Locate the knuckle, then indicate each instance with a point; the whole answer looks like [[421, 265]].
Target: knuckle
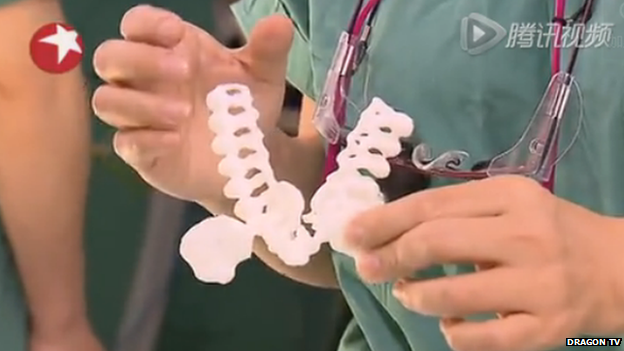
[[425, 205], [525, 234], [402, 259], [394, 260], [536, 236], [427, 241], [523, 189], [530, 239]]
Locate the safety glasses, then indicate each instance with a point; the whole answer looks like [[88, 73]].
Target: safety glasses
[[534, 154]]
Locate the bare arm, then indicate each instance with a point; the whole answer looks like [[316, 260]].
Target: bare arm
[[289, 154], [44, 164]]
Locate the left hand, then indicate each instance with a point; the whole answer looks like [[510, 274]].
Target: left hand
[[78, 337], [548, 268]]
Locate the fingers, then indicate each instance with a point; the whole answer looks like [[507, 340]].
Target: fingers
[[152, 25], [516, 332], [385, 223], [446, 241], [138, 64], [268, 47], [141, 149], [498, 290], [128, 109]]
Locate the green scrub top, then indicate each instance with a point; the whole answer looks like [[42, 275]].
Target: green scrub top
[[479, 103]]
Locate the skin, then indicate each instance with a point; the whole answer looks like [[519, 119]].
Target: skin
[[44, 148], [548, 268], [161, 127]]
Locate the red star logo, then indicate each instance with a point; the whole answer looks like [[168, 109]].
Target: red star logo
[[56, 48]]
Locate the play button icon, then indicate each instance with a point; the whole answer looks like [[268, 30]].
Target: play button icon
[[479, 34]]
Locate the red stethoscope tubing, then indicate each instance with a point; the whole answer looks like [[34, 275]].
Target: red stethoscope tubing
[[331, 163], [556, 68], [345, 81]]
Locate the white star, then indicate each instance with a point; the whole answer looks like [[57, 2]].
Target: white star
[[65, 41]]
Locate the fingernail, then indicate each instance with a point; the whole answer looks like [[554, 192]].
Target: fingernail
[[398, 289], [399, 284], [398, 293], [450, 321]]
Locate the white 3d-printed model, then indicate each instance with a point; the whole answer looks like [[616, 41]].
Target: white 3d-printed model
[[273, 209], [352, 188]]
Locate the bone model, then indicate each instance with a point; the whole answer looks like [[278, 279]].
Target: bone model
[[273, 209]]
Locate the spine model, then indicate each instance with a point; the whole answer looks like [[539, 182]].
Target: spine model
[[273, 209], [352, 188], [265, 206]]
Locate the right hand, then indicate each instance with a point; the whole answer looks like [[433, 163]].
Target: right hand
[[157, 78]]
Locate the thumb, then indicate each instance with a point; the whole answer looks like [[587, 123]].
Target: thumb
[[268, 47]]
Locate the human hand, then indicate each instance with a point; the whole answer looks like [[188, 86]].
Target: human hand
[[157, 79], [548, 267], [78, 337]]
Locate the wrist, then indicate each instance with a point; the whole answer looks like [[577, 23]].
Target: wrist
[[56, 325], [609, 305]]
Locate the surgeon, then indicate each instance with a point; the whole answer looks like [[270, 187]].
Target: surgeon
[[546, 250]]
